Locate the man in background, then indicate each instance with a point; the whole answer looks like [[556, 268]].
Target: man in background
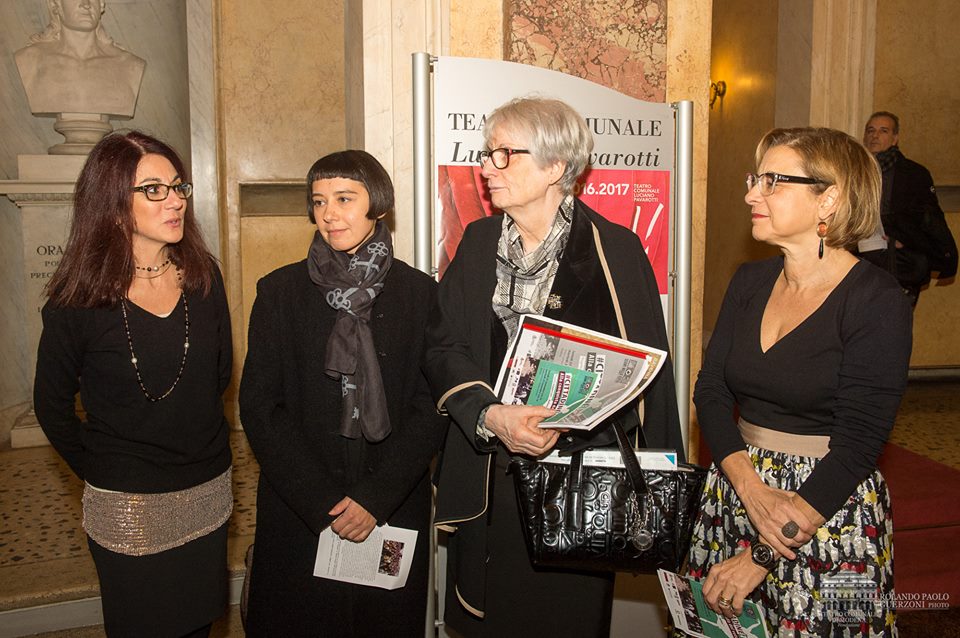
[[914, 242]]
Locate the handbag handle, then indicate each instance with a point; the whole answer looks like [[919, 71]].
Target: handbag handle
[[630, 460], [620, 324]]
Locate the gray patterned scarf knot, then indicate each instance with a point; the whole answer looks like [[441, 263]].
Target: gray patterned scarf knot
[[886, 159], [350, 284], [524, 279]]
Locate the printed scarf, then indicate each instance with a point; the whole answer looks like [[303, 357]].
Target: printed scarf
[[350, 284]]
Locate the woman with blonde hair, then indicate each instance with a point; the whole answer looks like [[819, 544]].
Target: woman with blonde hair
[[811, 351]]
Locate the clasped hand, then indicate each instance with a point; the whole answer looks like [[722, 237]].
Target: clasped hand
[[516, 427], [353, 523], [770, 509]]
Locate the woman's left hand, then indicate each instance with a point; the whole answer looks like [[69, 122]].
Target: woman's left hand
[[353, 523], [732, 580]]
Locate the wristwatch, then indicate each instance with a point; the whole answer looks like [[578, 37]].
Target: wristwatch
[[762, 555]]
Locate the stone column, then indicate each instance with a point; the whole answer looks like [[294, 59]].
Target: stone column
[[44, 195]]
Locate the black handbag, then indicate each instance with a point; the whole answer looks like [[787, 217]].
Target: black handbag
[[608, 518]]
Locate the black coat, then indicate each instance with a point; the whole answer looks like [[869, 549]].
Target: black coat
[[916, 219], [460, 368], [291, 413]]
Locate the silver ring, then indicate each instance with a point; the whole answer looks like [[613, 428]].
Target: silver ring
[[790, 529]]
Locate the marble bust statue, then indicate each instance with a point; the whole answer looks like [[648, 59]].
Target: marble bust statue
[[74, 67]]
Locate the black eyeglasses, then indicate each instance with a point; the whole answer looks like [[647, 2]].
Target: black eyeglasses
[[500, 156], [768, 181], [159, 192]]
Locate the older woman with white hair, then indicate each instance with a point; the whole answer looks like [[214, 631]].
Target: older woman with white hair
[[546, 254]]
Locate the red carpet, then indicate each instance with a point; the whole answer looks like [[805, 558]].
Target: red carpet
[[926, 526]]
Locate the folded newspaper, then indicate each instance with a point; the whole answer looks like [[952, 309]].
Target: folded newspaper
[[692, 616], [584, 375]]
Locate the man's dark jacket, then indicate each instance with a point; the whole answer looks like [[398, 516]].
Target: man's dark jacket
[[916, 219]]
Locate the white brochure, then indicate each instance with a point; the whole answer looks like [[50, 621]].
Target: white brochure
[[383, 560]]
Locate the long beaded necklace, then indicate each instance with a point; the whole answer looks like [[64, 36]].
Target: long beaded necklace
[[133, 355]]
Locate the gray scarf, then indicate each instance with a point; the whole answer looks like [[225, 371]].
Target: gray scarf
[[350, 284], [524, 280], [886, 159]]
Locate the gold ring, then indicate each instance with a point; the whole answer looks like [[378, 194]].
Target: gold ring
[[724, 602]]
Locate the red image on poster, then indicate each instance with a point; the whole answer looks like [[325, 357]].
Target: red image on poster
[[636, 199]]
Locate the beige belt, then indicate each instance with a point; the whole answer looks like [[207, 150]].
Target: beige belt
[[776, 441]]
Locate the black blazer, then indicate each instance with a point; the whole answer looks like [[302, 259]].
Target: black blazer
[[917, 220], [460, 371]]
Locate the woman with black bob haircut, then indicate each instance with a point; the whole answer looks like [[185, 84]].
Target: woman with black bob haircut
[[338, 413], [137, 311]]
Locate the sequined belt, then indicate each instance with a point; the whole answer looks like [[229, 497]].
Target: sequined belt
[[141, 524], [816, 446]]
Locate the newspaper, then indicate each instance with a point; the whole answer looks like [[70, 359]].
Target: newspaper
[[382, 560], [692, 616], [584, 375]]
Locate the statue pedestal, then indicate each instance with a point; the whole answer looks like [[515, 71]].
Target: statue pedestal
[[44, 195], [82, 132]]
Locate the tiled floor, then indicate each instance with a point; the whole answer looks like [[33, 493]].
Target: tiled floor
[[43, 554], [43, 549], [929, 421]]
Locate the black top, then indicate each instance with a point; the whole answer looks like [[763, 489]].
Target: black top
[[128, 443], [840, 373]]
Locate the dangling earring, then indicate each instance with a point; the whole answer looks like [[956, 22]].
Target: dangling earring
[[821, 233]]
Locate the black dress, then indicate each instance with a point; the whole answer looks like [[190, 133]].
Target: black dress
[[129, 444], [290, 411]]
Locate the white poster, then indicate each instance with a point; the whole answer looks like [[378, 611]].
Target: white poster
[[629, 177]]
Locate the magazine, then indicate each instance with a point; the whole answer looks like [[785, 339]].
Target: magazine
[[584, 375], [692, 616]]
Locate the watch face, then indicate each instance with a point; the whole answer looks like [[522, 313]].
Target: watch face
[[762, 554]]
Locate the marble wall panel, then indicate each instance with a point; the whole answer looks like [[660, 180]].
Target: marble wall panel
[[282, 79], [616, 44], [392, 32], [915, 77], [270, 242], [203, 125], [475, 29], [689, 38], [281, 104], [936, 317], [744, 55], [917, 58], [16, 378]]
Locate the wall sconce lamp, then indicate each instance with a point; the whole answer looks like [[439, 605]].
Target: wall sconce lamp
[[717, 90]]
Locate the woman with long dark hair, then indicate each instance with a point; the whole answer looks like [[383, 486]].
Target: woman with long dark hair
[[137, 322]]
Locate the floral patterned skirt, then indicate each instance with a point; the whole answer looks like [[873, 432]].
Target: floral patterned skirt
[[840, 584]]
